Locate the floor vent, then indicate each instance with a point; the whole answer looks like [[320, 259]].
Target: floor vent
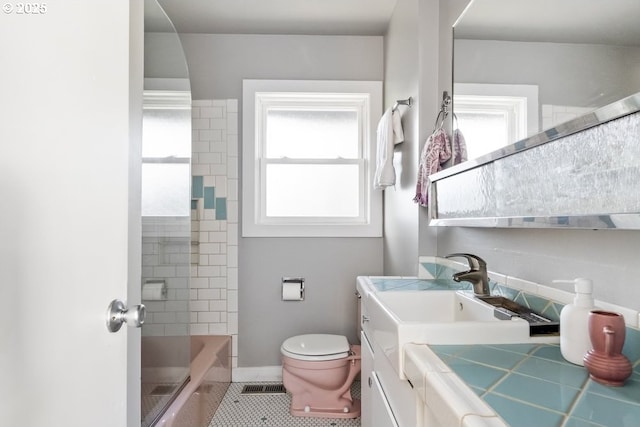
[[263, 389], [163, 390]]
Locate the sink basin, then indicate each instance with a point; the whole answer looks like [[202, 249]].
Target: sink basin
[[439, 317]]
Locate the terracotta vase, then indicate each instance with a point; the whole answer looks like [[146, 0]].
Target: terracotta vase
[[605, 362]]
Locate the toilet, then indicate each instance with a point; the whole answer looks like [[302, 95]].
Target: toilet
[[318, 370]]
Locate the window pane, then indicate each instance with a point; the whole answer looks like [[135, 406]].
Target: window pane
[[166, 132], [488, 130], [311, 134], [165, 189], [312, 190]]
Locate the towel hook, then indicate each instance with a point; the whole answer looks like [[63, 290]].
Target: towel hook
[[444, 110], [408, 102]]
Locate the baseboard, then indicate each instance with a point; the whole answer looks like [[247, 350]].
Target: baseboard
[[256, 374]]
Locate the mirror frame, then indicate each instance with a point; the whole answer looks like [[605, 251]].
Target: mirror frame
[[621, 108]]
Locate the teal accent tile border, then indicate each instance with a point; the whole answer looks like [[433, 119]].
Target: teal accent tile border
[[209, 197], [221, 208], [197, 187]]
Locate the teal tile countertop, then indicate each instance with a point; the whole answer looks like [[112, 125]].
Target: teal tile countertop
[[385, 284], [531, 385]]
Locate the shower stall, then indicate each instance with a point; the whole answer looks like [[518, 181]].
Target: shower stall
[[175, 366]]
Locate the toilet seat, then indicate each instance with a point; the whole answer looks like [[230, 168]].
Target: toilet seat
[[316, 347]]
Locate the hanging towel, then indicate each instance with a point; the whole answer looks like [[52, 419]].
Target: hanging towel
[[436, 151], [459, 147], [389, 134]]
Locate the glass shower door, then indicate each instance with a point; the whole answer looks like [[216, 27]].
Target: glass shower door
[[166, 222]]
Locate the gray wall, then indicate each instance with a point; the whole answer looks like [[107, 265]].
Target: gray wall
[[579, 75], [402, 74], [217, 65]]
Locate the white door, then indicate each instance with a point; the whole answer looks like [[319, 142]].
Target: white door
[[70, 107]]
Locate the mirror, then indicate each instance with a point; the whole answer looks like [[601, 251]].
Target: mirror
[[166, 178], [521, 67]]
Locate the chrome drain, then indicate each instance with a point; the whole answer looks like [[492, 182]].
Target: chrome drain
[[263, 389]]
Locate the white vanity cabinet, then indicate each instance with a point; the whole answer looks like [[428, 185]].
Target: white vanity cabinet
[[387, 401], [376, 411]]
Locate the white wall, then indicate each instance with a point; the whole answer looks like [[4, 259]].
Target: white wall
[[217, 65]]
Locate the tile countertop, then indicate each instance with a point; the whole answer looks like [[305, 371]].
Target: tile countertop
[[524, 384]]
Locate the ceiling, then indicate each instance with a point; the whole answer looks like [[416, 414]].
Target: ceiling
[[312, 17], [612, 22]]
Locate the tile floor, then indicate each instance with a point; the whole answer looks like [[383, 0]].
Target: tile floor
[[245, 410]]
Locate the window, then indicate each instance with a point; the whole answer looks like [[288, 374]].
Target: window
[[493, 116], [166, 154], [307, 158]]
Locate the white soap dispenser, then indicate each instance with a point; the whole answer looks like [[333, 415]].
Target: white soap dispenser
[[574, 328]]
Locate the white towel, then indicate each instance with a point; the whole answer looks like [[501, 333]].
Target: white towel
[[389, 134]]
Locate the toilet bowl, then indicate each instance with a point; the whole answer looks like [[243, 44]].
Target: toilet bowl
[[318, 370]]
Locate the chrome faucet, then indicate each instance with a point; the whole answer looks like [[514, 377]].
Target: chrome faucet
[[476, 275]]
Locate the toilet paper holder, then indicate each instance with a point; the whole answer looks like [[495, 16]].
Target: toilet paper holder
[[292, 288]]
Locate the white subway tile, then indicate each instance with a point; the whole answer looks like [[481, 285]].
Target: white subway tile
[[217, 124], [232, 322], [177, 306], [211, 158], [232, 123], [209, 225], [208, 294], [199, 124], [218, 283], [232, 145], [232, 301], [178, 329], [217, 329], [199, 329], [164, 318], [208, 317], [197, 170], [232, 189], [218, 236], [232, 105], [198, 103], [199, 283], [232, 211], [232, 278], [232, 167], [232, 256], [208, 271], [200, 305], [218, 305], [232, 234], [212, 112], [209, 248]]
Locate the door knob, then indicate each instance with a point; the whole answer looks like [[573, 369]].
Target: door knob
[[118, 313]]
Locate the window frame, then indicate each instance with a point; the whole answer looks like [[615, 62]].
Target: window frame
[[518, 103], [365, 97], [168, 100]]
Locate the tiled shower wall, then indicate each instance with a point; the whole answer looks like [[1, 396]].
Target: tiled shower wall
[[214, 220]]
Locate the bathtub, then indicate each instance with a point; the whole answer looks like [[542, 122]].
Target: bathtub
[[210, 377]]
